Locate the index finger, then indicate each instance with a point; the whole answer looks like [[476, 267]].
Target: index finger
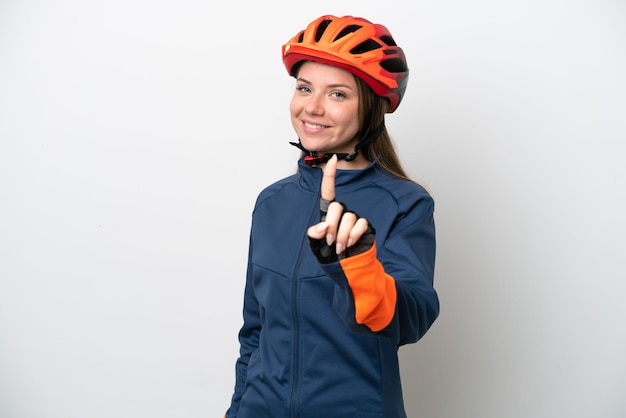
[[328, 179]]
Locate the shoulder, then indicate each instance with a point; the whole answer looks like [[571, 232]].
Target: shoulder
[[400, 189], [275, 188], [407, 199]]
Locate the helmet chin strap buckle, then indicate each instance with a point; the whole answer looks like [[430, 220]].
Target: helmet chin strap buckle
[[314, 159]]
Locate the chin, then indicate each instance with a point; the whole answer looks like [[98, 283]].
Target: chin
[[313, 146]]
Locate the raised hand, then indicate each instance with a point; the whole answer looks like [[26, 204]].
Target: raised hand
[[340, 229]]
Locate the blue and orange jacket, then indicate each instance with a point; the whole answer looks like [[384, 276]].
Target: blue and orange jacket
[[321, 340]]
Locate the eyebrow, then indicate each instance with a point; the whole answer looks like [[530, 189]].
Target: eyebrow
[[333, 86]]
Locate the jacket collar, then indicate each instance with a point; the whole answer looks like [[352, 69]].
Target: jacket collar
[[311, 177]]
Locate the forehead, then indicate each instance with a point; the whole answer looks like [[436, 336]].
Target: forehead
[[317, 72]]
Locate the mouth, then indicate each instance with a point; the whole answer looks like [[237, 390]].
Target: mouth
[[311, 125]]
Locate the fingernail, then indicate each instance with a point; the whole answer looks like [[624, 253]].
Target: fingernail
[[350, 242], [329, 239], [321, 227], [339, 248]]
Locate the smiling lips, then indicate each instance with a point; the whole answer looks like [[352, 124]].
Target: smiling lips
[[313, 127]]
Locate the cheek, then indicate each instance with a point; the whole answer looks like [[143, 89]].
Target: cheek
[[350, 121], [294, 112], [294, 107]]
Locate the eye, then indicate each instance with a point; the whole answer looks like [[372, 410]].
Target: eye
[[338, 95], [303, 89]]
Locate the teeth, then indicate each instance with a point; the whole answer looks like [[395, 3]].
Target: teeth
[[311, 125]]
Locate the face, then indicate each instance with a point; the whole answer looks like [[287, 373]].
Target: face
[[324, 108]]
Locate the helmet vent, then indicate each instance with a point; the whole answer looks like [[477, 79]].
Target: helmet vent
[[394, 65], [301, 37], [347, 30], [321, 29], [388, 40], [365, 46]]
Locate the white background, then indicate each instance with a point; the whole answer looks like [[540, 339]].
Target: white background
[[135, 136]]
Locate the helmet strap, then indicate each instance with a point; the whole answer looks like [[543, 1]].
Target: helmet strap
[[313, 158]]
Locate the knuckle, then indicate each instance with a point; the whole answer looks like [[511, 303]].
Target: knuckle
[[349, 217], [336, 205]]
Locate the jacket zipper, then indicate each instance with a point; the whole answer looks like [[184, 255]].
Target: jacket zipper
[[295, 287]]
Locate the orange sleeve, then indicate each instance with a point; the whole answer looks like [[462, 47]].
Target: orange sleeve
[[374, 291]]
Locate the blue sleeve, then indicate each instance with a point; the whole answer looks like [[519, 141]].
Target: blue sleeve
[[407, 254]]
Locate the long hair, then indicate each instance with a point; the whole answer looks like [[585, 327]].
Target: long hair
[[381, 150]]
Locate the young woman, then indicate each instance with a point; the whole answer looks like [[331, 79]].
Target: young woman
[[342, 253]]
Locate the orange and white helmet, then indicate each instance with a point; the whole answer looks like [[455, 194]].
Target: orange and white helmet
[[355, 44]]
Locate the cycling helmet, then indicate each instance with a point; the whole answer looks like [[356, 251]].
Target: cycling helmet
[[365, 49]]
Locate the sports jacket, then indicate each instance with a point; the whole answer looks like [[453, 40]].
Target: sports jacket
[[321, 340]]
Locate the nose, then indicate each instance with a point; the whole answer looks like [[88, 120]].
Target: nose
[[314, 105]]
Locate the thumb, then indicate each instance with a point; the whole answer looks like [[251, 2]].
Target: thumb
[[317, 231]]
